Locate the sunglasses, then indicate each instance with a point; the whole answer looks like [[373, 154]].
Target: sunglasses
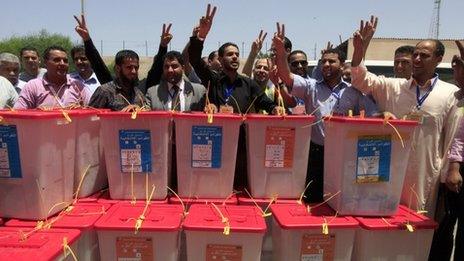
[[296, 63]]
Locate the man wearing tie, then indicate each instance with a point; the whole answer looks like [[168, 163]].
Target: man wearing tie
[[175, 92]]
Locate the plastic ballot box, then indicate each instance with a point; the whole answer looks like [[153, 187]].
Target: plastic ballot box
[[300, 232], [90, 160], [81, 216], [206, 153], [406, 235], [223, 232], [37, 154], [137, 152], [155, 238], [277, 149], [365, 163], [25, 244]]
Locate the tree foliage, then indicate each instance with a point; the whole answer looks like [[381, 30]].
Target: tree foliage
[[40, 41]]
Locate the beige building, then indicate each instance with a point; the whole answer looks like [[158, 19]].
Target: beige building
[[383, 49]]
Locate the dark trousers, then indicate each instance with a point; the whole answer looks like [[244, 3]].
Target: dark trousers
[[442, 244], [315, 173], [241, 178]]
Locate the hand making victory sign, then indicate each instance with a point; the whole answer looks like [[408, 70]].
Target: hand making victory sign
[[166, 35], [206, 22], [81, 28]]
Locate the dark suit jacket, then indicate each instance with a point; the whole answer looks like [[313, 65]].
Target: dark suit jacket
[[158, 96]]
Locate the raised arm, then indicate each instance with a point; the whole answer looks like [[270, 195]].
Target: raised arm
[[255, 48], [156, 70], [281, 56], [196, 46], [96, 61], [362, 39]]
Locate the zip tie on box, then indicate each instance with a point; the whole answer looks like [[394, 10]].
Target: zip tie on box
[[66, 116], [185, 212], [419, 208], [325, 225], [387, 122], [67, 248], [300, 200], [224, 220], [249, 107], [323, 202], [227, 198], [141, 218], [263, 213], [207, 105], [350, 113], [409, 227], [80, 184], [273, 199]]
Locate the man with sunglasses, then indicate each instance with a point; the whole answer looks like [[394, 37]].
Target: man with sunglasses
[[331, 95]]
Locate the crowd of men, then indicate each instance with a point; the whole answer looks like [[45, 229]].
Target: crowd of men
[[186, 81]]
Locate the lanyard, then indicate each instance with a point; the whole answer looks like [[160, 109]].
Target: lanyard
[[421, 100], [55, 94], [228, 91]]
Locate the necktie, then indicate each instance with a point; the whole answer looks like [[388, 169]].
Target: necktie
[[175, 101]]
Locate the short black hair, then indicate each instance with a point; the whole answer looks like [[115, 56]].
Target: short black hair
[[46, 53], [341, 54], [77, 49], [296, 52], [125, 54], [174, 55], [288, 44], [405, 49], [28, 48], [223, 47], [211, 55]]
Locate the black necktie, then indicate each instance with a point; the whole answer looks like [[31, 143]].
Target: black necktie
[[175, 101]]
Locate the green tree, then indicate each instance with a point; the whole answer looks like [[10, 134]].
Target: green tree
[[40, 41]]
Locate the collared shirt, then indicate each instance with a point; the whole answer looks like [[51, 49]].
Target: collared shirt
[[111, 96], [430, 141], [19, 86], [8, 94], [42, 93], [24, 76], [321, 100], [92, 82], [172, 94], [245, 92]]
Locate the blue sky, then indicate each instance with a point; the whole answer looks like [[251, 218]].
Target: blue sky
[[308, 23]]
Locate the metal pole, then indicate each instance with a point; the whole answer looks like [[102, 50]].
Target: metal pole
[[146, 48], [123, 45], [101, 47]]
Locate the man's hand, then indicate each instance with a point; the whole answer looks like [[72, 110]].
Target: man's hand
[[210, 109], [81, 28], [328, 47], [195, 30], [273, 73], [278, 40], [367, 31], [278, 110], [258, 43], [166, 35], [454, 178], [206, 22]]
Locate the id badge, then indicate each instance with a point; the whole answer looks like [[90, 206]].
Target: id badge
[[226, 109]]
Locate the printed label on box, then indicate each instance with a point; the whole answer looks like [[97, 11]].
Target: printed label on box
[[223, 253], [317, 247], [206, 146], [134, 249], [135, 151], [373, 159], [279, 147], [10, 164]]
